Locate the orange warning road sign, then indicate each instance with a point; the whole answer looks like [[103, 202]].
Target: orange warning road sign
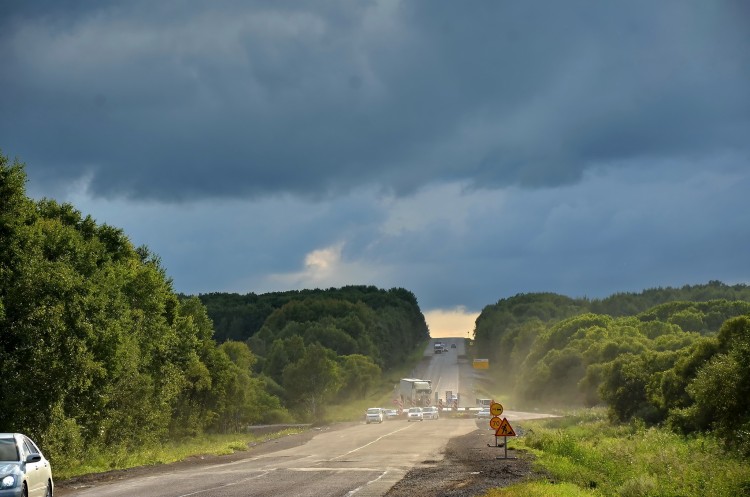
[[495, 423], [496, 409], [505, 429]]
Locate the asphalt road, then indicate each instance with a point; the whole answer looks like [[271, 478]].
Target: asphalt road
[[357, 460]]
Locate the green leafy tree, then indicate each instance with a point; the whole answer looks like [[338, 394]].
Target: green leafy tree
[[721, 389], [359, 375], [312, 381]]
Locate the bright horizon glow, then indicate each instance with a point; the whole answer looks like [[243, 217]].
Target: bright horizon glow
[[455, 322]]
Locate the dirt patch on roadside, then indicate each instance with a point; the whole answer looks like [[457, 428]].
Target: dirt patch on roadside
[[469, 469]]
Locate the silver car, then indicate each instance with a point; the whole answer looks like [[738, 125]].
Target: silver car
[[414, 414], [392, 414], [484, 413], [430, 413], [24, 471]]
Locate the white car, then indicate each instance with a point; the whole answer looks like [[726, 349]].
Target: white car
[[24, 471], [415, 414], [391, 414], [430, 413], [484, 413], [374, 415]]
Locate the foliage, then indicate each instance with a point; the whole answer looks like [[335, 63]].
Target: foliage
[[99, 460], [96, 349], [313, 380], [363, 330], [632, 460], [359, 375], [348, 320], [540, 489], [683, 363], [97, 352]]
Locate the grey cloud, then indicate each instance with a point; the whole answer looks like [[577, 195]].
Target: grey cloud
[[192, 100]]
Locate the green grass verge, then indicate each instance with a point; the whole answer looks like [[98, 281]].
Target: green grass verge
[[540, 489], [103, 460], [598, 458]]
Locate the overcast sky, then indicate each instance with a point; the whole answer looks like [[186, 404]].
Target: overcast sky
[[467, 151]]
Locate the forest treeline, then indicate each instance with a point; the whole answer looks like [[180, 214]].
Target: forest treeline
[[678, 357], [362, 330], [385, 325], [98, 350]]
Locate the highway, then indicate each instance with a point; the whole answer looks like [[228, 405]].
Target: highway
[[356, 460]]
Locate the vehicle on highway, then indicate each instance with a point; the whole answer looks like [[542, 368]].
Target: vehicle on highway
[[484, 413], [375, 415], [24, 471], [453, 345], [430, 413], [391, 414], [414, 414], [415, 392]]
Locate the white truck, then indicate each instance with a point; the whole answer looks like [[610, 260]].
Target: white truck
[[415, 392]]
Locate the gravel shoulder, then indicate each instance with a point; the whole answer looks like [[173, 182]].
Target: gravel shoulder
[[469, 468]]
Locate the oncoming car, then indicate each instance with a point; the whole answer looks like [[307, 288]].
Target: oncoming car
[[374, 415], [430, 413], [24, 471], [484, 413], [414, 414], [392, 414]]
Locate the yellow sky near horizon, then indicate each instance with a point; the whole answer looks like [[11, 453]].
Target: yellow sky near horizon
[[456, 322]]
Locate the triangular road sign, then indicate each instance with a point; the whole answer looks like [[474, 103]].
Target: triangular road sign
[[505, 429]]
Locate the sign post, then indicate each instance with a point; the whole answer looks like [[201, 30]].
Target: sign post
[[505, 430], [501, 426]]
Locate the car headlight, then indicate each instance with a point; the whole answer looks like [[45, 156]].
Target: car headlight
[[8, 482]]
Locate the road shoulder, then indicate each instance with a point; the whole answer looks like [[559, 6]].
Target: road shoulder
[[469, 467]]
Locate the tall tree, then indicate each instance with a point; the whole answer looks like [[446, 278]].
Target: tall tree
[[312, 381]]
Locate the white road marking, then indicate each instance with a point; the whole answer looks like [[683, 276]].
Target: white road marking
[[352, 492], [264, 473], [370, 443]]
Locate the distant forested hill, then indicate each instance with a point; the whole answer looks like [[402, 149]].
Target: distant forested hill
[[383, 324], [321, 345], [679, 357]]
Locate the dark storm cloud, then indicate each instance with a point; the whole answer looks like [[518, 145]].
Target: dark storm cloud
[[176, 101]]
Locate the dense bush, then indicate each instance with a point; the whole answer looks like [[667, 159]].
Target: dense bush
[[682, 363]]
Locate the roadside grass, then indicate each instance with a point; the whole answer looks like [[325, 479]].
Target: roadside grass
[[102, 460], [600, 458], [540, 489]]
